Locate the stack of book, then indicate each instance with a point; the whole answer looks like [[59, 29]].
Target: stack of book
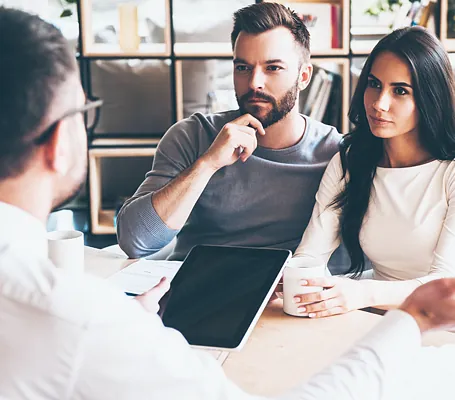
[[413, 13], [321, 100]]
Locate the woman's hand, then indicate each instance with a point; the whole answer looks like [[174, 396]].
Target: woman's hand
[[341, 296]]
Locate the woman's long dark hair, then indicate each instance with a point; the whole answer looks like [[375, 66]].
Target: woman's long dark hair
[[361, 151]]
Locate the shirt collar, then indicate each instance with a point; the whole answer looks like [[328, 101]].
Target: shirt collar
[[23, 230]]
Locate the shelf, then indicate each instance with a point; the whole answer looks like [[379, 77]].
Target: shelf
[[370, 30], [124, 142], [99, 50], [122, 152], [103, 220], [330, 52], [363, 47], [105, 224], [91, 49], [203, 49]]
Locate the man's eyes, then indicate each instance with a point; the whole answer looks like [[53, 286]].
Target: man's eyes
[[244, 68], [241, 68], [274, 68]]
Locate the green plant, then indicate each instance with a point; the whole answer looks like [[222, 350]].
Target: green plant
[[66, 11], [383, 6]]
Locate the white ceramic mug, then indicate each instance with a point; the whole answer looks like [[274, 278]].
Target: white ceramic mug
[[296, 270], [66, 250]]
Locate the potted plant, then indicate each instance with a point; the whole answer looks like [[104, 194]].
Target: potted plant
[[66, 12], [383, 6]]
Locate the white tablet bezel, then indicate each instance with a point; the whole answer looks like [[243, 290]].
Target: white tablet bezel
[[259, 311]]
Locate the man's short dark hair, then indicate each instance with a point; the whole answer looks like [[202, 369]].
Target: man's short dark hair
[[35, 60], [262, 17]]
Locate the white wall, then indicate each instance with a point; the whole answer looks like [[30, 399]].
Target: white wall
[[33, 6]]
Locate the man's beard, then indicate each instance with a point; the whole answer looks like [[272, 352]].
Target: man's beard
[[279, 110]]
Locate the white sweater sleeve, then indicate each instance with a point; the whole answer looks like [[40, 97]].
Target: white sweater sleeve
[[321, 237], [443, 264], [372, 369]]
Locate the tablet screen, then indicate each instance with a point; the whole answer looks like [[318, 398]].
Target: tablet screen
[[218, 291]]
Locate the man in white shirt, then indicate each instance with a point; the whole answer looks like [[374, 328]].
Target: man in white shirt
[[66, 336]]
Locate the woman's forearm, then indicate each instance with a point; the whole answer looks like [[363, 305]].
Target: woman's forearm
[[388, 293]]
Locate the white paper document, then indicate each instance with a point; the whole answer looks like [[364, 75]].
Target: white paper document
[[144, 274]]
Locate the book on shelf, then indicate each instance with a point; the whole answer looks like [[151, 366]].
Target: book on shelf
[[335, 13], [323, 21], [415, 13], [427, 13], [321, 100], [309, 95]]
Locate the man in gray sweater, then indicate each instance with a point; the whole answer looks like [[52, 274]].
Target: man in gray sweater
[[246, 177]]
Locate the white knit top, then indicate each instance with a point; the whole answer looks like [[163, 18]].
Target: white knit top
[[409, 229]]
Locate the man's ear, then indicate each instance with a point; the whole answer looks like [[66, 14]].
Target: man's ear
[[306, 72], [56, 150]]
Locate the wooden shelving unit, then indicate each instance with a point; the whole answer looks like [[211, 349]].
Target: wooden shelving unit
[[175, 52], [96, 50], [103, 219]]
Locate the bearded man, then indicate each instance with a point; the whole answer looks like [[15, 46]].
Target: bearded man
[[246, 177]]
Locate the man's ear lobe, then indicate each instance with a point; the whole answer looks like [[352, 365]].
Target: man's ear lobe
[[55, 150], [306, 72]]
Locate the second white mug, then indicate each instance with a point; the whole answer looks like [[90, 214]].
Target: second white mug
[[66, 250]]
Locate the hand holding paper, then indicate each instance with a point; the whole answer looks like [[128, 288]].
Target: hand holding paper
[[144, 275], [149, 300]]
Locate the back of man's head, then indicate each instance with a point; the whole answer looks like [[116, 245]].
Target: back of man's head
[[35, 62], [262, 17]]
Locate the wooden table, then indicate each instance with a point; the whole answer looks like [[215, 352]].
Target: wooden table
[[282, 351]]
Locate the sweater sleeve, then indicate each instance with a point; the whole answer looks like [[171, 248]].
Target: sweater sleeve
[[443, 265], [140, 230], [372, 369], [321, 237]]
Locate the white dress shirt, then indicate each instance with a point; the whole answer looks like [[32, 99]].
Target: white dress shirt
[[71, 337], [409, 228]]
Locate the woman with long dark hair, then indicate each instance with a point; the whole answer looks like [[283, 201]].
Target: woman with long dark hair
[[390, 191]]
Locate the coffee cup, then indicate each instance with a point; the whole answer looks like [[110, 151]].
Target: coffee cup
[[296, 270], [66, 250]]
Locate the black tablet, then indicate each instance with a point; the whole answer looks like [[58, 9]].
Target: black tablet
[[219, 293]]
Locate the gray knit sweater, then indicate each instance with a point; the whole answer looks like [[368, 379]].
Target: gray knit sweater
[[265, 202]]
